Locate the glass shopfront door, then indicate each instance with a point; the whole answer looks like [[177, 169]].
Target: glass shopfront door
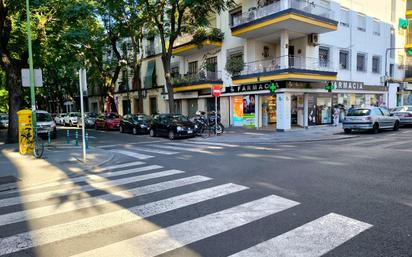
[[268, 105]]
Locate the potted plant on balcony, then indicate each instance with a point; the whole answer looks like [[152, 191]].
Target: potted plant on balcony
[[199, 36], [216, 35], [234, 66]]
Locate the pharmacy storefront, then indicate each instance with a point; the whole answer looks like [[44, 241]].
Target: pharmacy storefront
[[296, 103]]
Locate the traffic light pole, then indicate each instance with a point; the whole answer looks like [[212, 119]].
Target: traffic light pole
[[31, 69]]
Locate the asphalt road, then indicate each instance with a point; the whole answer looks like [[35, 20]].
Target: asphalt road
[[349, 197]]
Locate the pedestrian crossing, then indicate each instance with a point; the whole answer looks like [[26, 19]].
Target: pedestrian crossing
[[164, 192]]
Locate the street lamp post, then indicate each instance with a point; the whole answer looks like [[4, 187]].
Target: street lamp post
[[31, 69]]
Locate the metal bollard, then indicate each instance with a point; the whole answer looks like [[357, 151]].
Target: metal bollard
[[87, 140], [68, 136], [48, 137], [77, 138]]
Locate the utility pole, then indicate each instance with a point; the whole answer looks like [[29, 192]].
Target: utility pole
[[31, 69]]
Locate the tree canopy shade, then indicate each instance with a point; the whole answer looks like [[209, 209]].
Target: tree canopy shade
[[66, 35], [172, 17]]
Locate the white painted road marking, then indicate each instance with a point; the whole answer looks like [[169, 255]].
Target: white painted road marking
[[197, 150], [97, 200], [133, 154], [313, 239], [212, 143], [194, 145], [83, 226], [91, 178], [118, 166], [149, 150], [173, 237], [54, 194]]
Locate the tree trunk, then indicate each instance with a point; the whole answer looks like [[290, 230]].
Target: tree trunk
[[166, 67], [12, 76]]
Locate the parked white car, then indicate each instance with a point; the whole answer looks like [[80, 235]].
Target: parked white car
[[45, 124], [71, 119], [405, 114], [370, 118], [59, 119]]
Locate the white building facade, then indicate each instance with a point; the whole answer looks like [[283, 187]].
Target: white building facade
[[298, 46]]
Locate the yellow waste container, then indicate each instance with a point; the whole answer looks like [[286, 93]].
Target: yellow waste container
[[25, 131]]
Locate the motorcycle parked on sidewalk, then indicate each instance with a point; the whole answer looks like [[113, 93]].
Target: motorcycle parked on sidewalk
[[206, 124]]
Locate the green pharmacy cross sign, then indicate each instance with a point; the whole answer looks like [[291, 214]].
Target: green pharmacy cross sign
[[272, 88], [330, 86]]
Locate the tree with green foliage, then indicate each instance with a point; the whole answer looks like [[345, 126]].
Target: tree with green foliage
[[66, 36], [171, 18]]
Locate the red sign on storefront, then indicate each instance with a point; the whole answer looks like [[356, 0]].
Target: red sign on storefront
[[216, 91]]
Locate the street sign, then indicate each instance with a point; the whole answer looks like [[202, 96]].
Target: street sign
[[25, 78], [216, 91]]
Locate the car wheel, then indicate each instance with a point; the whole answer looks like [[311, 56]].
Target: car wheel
[[70, 124], [134, 131], [152, 133], [171, 135], [121, 129], [96, 127], [396, 126], [106, 127], [348, 131], [375, 129]]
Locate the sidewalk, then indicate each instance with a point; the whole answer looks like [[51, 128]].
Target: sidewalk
[[59, 161], [247, 136]]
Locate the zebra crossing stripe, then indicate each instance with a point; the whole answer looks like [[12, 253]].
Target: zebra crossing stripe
[[193, 145], [179, 235], [313, 239], [212, 143], [158, 151], [53, 194], [197, 150], [83, 226], [91, 177], [97, 200], [117, 166], [133, 154]]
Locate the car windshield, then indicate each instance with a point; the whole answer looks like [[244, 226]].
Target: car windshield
[[140, 118], [4, 118], [359, 112], [43, 117], [179, 118], [91, 115], [112, 116]]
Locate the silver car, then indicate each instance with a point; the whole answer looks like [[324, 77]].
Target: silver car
[[370, 118], [59, 119], [4, 121], [404, 113], [45, 124]]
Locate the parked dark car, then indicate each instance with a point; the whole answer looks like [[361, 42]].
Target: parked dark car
[[135, 123], [108, 121], [172, 126], [90, 119]]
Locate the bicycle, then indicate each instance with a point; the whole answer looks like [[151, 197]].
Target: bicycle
[[29, 143]]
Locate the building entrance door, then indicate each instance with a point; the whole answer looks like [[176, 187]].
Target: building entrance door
[[191, 107]]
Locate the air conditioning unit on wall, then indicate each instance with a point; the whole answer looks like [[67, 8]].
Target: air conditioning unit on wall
[[313, 39]]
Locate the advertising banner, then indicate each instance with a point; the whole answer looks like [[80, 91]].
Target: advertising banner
[[249, 116], [238, 111]]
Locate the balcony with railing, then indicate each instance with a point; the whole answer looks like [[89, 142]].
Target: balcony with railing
[[301, 16], [287, 67], [202, 39], [201, 80]]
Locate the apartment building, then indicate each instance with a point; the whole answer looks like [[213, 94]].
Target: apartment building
[[299, 46]]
